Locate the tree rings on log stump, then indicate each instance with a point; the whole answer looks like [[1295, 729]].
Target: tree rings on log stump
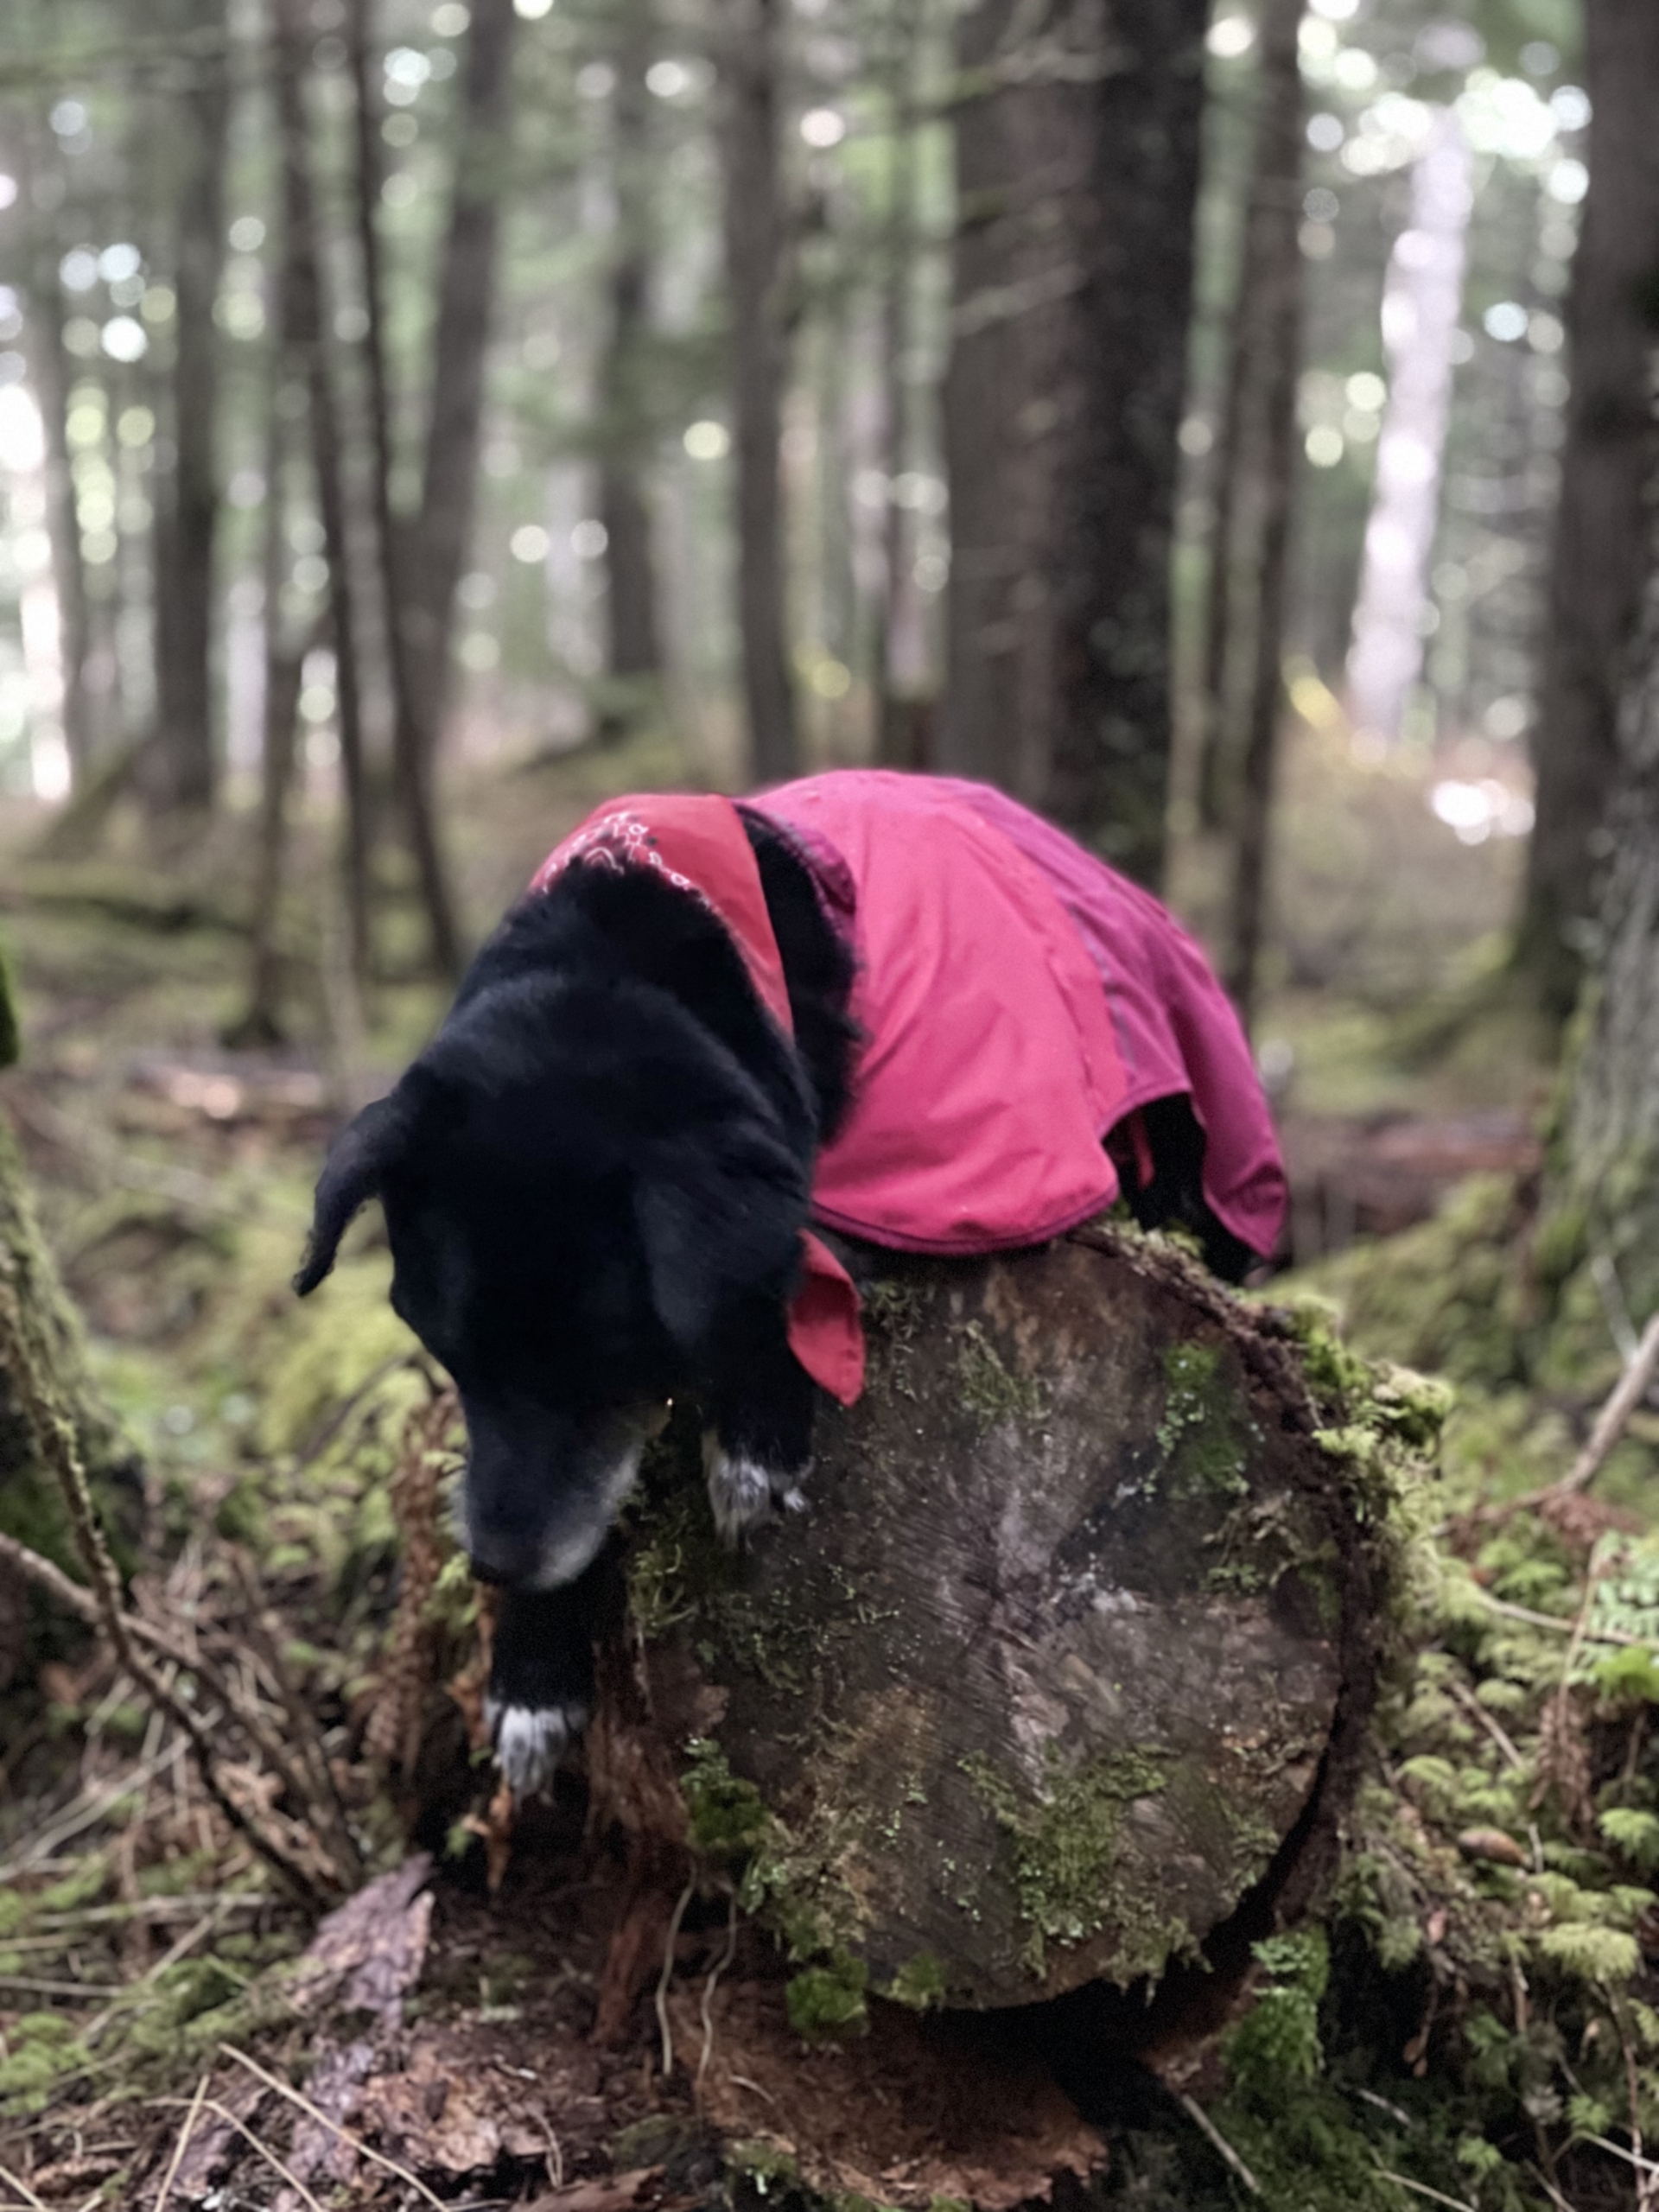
[[1047, 1677]]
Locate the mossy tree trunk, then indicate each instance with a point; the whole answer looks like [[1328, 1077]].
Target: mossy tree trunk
[[29, 1507], [1070, 1656]]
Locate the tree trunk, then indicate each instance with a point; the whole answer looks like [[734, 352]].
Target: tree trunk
[[1069, 1656], [633, 652], [1271, 333], [1609, 1189], [183, 771], [412, 757], [30, 1507], [1602, 552], [898, 586], [285, 650], [305, 325], [434, 547], [1077, 161], [755, 229], [49, 364]]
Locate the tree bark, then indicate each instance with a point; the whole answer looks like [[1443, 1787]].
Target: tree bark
[[183, 773], [412, 754], [305, 325], [755, 234], [1272, 335], [1608, 1192], [1069, 1654], [1076, 160], [1602, 555], [633, 652], [435, 546]]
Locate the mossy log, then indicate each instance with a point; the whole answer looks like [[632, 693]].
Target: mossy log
[[1066, 1661]]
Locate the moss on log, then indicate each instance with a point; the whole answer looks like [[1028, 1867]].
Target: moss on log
[[1069, 1654]]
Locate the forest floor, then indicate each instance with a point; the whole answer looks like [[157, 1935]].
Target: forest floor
[[554, 2038]]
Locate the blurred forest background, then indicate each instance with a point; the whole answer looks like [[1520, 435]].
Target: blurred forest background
[[1165, 413]]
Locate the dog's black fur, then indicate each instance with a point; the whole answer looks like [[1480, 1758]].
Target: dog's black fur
[[594, 1181]]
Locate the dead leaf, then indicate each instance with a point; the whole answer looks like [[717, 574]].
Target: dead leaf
[[611, 2193], [1489, 1843]]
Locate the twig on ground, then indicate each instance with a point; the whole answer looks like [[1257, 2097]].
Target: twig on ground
[[185, 2133], [346, 2134], [1422, 2188], [667, 1976], [1626, 1396], [25, 2194], [1206, 2126], [58, 1446], [254, 2142], [1472, 1705], [1562, 1627]]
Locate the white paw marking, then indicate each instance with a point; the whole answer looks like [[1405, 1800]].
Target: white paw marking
[[530, 1740], [742, 1493]]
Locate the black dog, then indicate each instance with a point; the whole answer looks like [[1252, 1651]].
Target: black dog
[[595, 1180]]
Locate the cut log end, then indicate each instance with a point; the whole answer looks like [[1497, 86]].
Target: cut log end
[[1048, 1680]]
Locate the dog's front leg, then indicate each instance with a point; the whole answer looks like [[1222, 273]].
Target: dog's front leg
[[541, 1692], [758, 1449]]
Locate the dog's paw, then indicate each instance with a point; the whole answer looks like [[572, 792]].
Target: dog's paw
[[742, 1493], [530, 1740]]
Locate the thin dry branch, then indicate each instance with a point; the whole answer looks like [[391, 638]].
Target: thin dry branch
[[59, 1447], [346, 2134]]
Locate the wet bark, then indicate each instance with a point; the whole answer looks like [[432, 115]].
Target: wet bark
[[182, 771], [412, 754], [1271, 333], [305, 324], [1070, 1651], [755, 223], [435, 545], [633, 652], [1076, 160], [1601, 553]]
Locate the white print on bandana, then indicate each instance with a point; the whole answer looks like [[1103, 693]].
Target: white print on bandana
[[615, 842]]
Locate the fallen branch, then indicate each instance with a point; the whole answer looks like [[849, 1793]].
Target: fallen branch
[[1627, 1395]]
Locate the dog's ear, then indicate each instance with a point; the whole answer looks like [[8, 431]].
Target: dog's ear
[[721, 1212], [351, 1175]]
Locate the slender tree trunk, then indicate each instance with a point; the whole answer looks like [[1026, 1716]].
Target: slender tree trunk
[[633, 652], [755, 229], [305, 325], [1077, 160], [412, 754], [1272, 336], [1601, 553], [1610, 1186], [49, 364], [286, 647], [183, 772], [1421, 301], [435, 548], [891, 731]]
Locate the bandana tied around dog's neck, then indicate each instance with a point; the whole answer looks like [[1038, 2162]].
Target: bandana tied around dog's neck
[[698, 845]]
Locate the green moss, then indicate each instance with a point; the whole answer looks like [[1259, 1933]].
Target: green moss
[[729, 1817], [991, 1391], [831, 1999], [40, 2050], [920, 1983], [1203, 1443], [1064, 1849]]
